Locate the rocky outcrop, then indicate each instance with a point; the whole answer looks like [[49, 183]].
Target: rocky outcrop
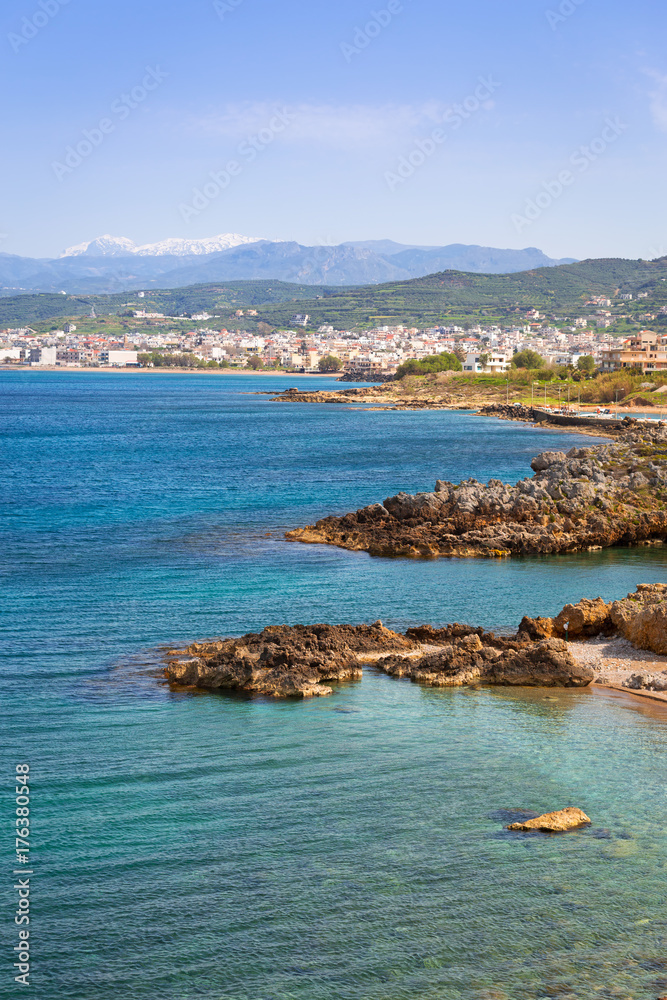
[[358, 375], [555, 822], [645, 681], [508, 411], [384, 397], [470, 656], [641, 618], [584, 620], [589, 498], [285, 661], [282, 661]]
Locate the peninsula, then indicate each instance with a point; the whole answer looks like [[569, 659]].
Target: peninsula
[[589, 498]]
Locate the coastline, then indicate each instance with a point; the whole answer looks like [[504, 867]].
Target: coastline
[[654, 696], [162, 371]]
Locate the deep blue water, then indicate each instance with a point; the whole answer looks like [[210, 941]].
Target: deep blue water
[[229, 849]]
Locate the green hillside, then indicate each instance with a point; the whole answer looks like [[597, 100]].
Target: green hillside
[[227, 297], [449, 296]]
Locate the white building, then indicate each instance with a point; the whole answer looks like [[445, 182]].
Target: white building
[[118, 358], [495, 362], [43, 356]]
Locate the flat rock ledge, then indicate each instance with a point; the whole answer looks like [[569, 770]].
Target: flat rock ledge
[[587, 498], [555, 822], [298, 661]]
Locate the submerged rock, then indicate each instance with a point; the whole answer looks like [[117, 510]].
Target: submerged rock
[[554, 822]]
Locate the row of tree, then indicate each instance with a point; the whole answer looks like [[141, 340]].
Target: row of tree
[[160, 360], [452, 362]]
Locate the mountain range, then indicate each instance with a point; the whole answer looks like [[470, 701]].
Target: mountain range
[[111, 264]]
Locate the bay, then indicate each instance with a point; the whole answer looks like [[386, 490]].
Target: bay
[[219, 847]]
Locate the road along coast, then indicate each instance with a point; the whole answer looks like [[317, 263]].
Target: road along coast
[[304, 660], [587, 498]]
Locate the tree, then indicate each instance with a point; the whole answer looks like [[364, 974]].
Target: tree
[[484, 360], [255, 362], [528, 359], [444, 362], [329, 363], [586, 363]]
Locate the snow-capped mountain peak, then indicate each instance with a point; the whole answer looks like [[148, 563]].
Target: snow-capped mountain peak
[[120, 246]]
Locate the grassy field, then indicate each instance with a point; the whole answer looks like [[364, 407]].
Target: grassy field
[[527, 387]]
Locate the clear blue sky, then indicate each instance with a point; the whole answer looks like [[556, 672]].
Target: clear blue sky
[[354, 107]]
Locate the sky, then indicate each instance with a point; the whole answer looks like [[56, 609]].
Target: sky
[[530, 123]]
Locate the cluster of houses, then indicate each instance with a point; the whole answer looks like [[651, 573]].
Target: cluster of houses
[[377, 351]]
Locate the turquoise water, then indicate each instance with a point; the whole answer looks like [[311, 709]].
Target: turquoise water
[[234, 849]]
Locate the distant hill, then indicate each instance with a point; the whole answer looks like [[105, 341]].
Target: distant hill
[[425, 301], [115, 264]]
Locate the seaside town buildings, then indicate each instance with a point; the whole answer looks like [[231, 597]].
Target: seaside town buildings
[[646, 350], [376, 351]]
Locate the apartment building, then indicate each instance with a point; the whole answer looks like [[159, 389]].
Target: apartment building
[[646, 350]]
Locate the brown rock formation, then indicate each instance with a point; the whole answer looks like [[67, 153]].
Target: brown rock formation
[[584, 620], [471, 656], [595, 497], [555, 822], [641, 618], [282, 661]]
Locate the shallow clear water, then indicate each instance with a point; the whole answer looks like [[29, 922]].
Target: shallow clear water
[[225, 848]]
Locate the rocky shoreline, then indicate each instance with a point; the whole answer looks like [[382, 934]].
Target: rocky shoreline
[[589, 498], [377, 396], [302, 661]]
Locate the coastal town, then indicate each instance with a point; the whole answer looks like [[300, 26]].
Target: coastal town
[[149, 339]]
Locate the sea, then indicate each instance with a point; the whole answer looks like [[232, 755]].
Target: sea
[[353, 847]]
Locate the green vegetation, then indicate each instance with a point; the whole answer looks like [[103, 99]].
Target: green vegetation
[[255, 362], [450, 297], [444, 362], [329, 363], [159, 360], [586, 363], [528, 359]]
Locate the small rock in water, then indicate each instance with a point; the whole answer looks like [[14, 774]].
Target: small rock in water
[[554, 822]]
